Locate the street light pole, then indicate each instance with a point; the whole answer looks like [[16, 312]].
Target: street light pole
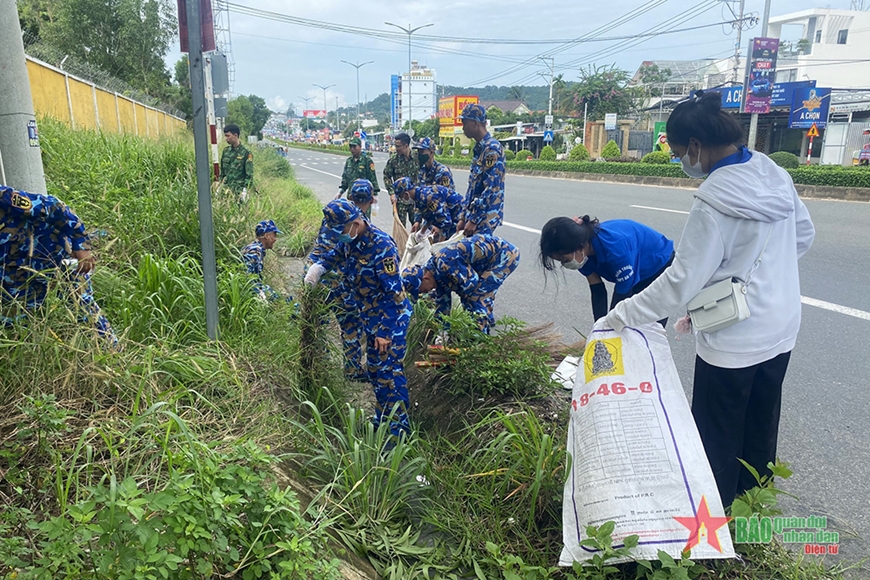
[[325, 106], [409, 31], [357, 66], [307, 124]]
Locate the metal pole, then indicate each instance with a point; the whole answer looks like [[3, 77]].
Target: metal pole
[[22, 158], [357, 66], [203, 176], [736, 74], [307, 123], [325, 107], [409, 31], [552, 68], [337, 118], [753, 121], [585, 109]]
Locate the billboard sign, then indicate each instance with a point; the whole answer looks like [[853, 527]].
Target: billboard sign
[[314, 114], [783, 93], [731, 96], [449, 109], [762, 70], [810, 108], [609, 121]]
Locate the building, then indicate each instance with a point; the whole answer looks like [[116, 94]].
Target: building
[[676, 79], [828, 46], [417, 86], [515, 107]]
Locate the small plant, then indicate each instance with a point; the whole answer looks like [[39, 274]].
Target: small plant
[[611, 150], [762, 500], [547, 154], [513, 567], [657, 157], [785, 159], [525, 155], [669, 569], [601, 540], [509, 155], [579, 153]]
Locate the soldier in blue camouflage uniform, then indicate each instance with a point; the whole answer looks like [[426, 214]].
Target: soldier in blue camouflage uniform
[[362, 195], [37, 233], [438, 207], [474, 268], [370, 262], [431, 171], [484, 200], [341, 302], [254, 253]]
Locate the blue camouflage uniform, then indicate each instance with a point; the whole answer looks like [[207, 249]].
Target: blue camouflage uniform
[[484, 200], [340, 300], [438, 206], [35, 230], [253, 256], [370, 264], [474, 268]]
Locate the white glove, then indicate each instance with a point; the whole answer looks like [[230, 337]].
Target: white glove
[[244, 197], [315, 272]]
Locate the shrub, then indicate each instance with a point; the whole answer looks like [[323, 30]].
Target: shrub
[[611, 150], [547, 154], [524, 155], [579, 153], [785, 159], [657, 157], [509, 155]]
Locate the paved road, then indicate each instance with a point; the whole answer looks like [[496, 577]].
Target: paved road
[[825, 427]]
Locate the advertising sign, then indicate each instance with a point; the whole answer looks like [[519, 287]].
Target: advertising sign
[[810, 107], [781, 96], [610, 121], [731, 96], [660, 137], [314, 114], [762, 70], [449, 109]]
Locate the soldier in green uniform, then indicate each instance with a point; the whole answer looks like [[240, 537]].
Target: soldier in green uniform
[[358, 166], [401, 164], [237, 163]]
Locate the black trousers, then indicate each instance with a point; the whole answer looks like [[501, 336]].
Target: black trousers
[[737, 414]]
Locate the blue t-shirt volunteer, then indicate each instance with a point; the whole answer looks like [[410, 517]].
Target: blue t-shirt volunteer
[[626, 253]]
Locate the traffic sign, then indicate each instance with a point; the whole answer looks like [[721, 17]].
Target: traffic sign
[[813, 132], [548, 136], [362, 135], [548, 119]]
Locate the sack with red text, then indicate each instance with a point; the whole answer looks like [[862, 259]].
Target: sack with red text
[[636, 457]]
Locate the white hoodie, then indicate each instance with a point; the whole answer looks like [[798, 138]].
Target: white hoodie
[[733, 211]]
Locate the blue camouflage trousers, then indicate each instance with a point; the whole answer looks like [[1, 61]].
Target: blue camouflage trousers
[[480, 304], [341, 303], [387, 375]]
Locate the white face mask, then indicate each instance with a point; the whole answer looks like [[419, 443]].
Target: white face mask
[[695, 171], [574, 264]]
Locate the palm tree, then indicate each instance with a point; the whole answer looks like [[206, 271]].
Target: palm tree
[[517, 93], [560, 87]]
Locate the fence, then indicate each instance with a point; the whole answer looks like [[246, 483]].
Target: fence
[[82, 104]]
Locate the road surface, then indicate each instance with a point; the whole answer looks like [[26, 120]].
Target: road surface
[[825, 425]]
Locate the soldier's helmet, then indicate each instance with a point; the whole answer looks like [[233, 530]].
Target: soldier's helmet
[[266, 226], [411, 279], [425, 143], [474, 112], [337, 214], [403, 185], [362, 191]]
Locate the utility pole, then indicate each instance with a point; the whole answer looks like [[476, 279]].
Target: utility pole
[[753, 121], [357, 66], [325, 107], [203, 175], [735, 76], [337, 117], [409, 31], [552, 67], [307, 124], [21, 159]]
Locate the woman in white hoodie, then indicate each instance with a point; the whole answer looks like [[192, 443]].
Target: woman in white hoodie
[[746, 217]]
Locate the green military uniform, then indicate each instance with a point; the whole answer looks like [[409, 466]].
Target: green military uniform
[[396, 168], [237, 168], [362, 168]]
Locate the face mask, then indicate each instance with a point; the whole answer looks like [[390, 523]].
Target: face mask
[[694, 171], [574, 264], [346, 238], [422, 158]]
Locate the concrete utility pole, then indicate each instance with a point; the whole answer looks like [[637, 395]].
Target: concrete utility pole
[[203, 175], [409, 31], [552, 67], [753, 121], [735, 76], [20, 155], [357, 66]]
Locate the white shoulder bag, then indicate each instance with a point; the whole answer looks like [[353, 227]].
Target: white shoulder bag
[[723, 304]]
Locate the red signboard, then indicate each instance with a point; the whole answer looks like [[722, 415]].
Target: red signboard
[[206, 19], [314, 114]]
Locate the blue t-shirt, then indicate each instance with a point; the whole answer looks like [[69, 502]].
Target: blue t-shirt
[[626, 253]]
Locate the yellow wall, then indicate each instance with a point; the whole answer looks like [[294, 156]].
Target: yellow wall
[[50, 98]]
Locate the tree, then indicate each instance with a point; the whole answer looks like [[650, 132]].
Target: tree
[[517, 93], [547, 154], [611, 150], [182, 97], [259, 115], [250, 113], [605, 90], [653, 79], [126, 38], [560, 90], [34, 14]]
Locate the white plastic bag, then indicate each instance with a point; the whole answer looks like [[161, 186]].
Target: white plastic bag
[[636, 455], [418, 252]]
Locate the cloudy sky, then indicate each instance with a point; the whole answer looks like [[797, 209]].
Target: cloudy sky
[[282, 61]]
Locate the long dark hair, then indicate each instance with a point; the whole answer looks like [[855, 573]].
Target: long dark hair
[[562, 235], [702, 118]]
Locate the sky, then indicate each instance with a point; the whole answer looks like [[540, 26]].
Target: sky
[[281, 62]]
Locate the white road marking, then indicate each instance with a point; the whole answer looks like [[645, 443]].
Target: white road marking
[[323, 172], [836, 308], [840, 309], [660, 209]]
